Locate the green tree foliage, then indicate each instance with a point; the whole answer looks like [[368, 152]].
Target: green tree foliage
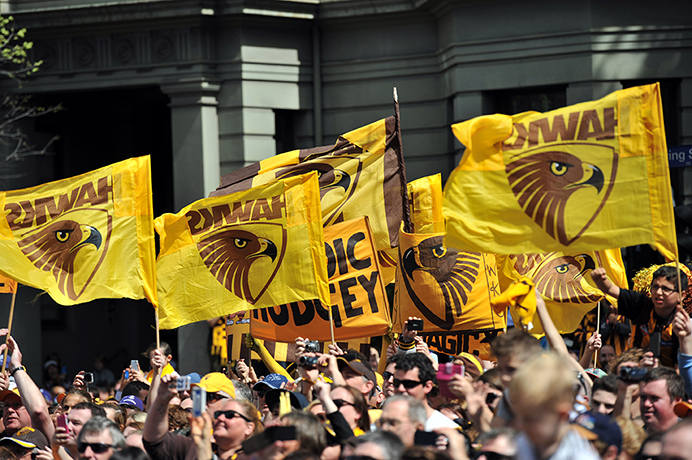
[[15, 106]]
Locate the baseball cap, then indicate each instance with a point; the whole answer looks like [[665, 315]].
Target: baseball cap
[[272, 382], [133, 401], [28, 438], [472, 365], [359, 367], [216, 382], [595, 426], [5, 393]]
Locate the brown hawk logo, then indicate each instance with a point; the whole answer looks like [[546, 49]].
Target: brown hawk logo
[[559, 277], [70, 248], [563, 191], [336, 185], [245, 262], [439, 279]]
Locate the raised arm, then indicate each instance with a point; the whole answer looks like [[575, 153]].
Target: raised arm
[[156, 424], [33, 400]]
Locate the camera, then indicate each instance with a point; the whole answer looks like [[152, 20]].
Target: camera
[[134, 365], [88, 377], [182, 383], [415, 325], [312, 346], [307, 361], [199, 401], [631, 374]]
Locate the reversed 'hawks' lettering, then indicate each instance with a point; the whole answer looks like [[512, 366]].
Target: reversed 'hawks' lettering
[[206, 219], [580, 126], [30, 213]]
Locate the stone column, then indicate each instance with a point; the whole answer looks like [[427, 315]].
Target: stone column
[[195, 128]]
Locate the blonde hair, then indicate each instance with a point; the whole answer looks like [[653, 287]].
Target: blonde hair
[[632, 435], [543, 381]]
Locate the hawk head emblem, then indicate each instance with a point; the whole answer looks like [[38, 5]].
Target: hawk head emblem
[[337, 185], [559, 277], [245, 260], [71, 246], [439, 279], [564, 190]]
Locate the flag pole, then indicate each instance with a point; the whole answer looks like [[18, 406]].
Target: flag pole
[[158, 335], [406, 215], [331, 325], [9, 329], [598, 329]]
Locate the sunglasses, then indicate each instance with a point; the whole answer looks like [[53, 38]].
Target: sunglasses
[[387, 375], [408, 384], [229, 414], [96, 447], [262, 393], [494, 456], [212, 397], [341, 402]]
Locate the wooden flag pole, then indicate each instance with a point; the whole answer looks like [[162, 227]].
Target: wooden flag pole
[[9, 329], [158, 335], [406, 212], [598, 329], [331, 325]]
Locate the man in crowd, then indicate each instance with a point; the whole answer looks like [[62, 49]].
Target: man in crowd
[[24, 405], [79, 415], [414, 375], [650, 315], [659, 391], [403, 415], [604, 394], [98, 439]]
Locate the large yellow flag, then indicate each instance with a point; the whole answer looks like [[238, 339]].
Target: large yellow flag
[[251, 249], [451, 290], [425, 203], [586, 177], [83, 238], [564, 281], [358, 300], [359, 176]]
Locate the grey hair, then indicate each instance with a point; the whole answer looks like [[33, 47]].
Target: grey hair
[[416, 410], [99, 424], [242, 390], [390, 443]]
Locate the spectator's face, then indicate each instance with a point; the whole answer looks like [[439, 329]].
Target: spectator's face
[[501, 445], [374, 358], [344, 398], [231, 430], [104, 438], [603, 402], [76, 420], [419, 391], [387, 386], [507, 366], [656, 407], [542, 425], [215, 402], [664, 294], [396, 420], [677, 445], [135, 440], [15, 415], [355, 380], [607, 355], [370, 449], [69, 402]]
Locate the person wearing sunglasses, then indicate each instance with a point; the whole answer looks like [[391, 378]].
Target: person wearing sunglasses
[[414, 375], [345, 408], [650, 314], [98, 439], [497, 444]]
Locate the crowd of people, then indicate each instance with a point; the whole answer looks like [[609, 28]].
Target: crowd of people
[[529, 402]]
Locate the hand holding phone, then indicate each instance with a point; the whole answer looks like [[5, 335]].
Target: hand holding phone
[[444, 375]]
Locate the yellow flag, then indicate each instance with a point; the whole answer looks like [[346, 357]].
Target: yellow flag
[[425, 202], [358, 300], [359, 176], [564, 281], [83, 238], [585, 177], [449, 289], [7, 285], [251, 249]]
